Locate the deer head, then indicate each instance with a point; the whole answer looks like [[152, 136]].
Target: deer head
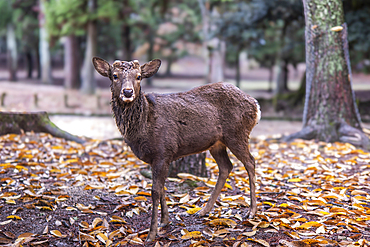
[[126, 76]]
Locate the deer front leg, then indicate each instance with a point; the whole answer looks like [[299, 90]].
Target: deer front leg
[[159, 177]]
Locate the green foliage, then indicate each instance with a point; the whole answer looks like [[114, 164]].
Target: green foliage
[[66, 17], [5, 14], [263, 28]]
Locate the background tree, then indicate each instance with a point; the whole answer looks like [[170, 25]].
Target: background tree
[[45, 59], [7, 22], [27, 29], [330, 112]]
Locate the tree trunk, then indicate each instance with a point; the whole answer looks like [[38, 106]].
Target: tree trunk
[[271, 77], [194, 164], [127, 49], [14, 123], [237, 64], [88, 71], [38, 66], [330, 113], [71, 63], [204, 6], [45, 61], [11, 44], [29, 63], [149, 81]]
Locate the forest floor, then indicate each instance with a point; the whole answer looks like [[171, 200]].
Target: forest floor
[[59, 193]]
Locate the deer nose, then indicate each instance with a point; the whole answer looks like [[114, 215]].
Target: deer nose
[[127, 93]]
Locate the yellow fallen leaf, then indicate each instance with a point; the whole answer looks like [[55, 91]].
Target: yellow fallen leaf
[[194, 234], [260, 241], [222, 222], [140, 199], [262, 224], [211, 183], [70, 208], [310, 224], [10, 201], [221, 233], [102, 237], [143, 193], [86, 237], [117, 219], [292, 180], [187, 176], [249, 234], [95, 222], [44, 208], [57, 234], [358, 192], [193, 210], [16, 217]]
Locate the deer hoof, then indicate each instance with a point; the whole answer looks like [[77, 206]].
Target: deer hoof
[[150, 238], [163, 224], [250, 215]]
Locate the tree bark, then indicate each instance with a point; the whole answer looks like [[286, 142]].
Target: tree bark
[[194, 164], [45, 61], [127, 44], [14, 123], [330, 112], [71, 63], [237, 63], [11, 44], [88, 71]]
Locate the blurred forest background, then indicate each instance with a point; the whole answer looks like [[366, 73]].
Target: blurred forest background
[[46, 47]]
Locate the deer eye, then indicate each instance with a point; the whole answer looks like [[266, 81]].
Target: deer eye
[[115, 77], [138, 77]]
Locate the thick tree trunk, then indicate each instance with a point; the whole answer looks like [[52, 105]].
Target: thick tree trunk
[[194, 164], [330, 113], [11, 44], [14, 123], [71, 63], [45, 61], [88, 71]]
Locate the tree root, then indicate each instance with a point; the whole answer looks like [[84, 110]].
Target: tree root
[[15, 122], [345, 133]]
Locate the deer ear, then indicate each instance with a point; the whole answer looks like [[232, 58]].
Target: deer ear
[[150, 68], [101, 66]]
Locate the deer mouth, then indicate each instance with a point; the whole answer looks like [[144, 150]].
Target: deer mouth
[[127, 100], [127, 95]]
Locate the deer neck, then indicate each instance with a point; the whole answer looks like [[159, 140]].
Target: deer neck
[[130, 118]]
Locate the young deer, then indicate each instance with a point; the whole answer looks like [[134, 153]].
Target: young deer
[[161, 128]]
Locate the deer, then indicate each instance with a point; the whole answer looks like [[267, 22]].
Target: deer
[[160, 128]]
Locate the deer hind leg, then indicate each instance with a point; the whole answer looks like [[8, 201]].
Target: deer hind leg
[[164, 210], [219, 153], [241, 151]]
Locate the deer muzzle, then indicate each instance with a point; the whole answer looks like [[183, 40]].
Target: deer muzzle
[[127, 95]]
